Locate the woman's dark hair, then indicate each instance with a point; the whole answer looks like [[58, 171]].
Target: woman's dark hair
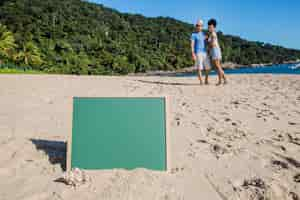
[[212, 22]]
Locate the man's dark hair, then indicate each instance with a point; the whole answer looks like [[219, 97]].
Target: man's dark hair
[[212, 22]]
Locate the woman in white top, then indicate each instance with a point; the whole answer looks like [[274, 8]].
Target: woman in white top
[[215, 50]]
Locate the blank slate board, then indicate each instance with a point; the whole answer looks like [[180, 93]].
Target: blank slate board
[[127, 133]]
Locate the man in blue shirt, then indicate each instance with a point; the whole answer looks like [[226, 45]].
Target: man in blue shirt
[[199, 54]]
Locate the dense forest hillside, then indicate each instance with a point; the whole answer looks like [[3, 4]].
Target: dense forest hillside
[[78, 37]]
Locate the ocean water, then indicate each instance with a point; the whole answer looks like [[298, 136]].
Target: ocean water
[[273, 69]]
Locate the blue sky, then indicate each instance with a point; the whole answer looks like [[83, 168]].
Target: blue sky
[[273, 21]]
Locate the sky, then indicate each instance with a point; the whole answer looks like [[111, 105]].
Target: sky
[[271, 21]]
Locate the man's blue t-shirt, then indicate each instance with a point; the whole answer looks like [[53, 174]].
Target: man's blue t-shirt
[[199, 44]]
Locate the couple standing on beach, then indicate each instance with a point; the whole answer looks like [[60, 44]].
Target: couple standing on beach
[[206, 51]]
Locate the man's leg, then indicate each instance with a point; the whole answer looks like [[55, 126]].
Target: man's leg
[[207, 66], [200, 75], [199, 65]]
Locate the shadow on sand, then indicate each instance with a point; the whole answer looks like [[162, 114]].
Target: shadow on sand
[[56, 150], [168, 83]]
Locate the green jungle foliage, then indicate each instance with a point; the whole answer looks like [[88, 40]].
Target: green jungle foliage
[[78, 37]]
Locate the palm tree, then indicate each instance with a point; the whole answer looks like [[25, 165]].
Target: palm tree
[[30, 55], [7, 42]]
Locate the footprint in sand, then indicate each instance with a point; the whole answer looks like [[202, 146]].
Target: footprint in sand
[[232, 122], [231, 134], [265, 104], [292, 138], [272, 142], [176, 170], [265, 113], [235, 103], [276, 118], [210, 128], [202, 141], [293, 162], [194, 147], [279, 165], [191, 153], [254, 188], [292, 123], [297, 178], [177, 118], [289, 137], [227, 119], [294, 196], [218, 150], [196, 125], [279, 138], [258, 189]]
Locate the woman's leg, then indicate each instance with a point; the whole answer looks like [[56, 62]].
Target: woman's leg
[[217, 66], [206, 76], [221, 73]]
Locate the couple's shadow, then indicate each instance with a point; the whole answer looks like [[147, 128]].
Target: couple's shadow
[[56, 151], [168, 83]]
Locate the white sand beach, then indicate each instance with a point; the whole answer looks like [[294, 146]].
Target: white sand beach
[[238, 141]]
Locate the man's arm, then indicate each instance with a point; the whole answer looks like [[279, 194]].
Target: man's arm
[[192, 48]]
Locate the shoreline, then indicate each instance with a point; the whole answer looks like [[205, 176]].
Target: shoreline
[[182, 71], [226, 65]]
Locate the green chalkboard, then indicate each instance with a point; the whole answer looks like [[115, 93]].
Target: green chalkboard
[[124, 133]]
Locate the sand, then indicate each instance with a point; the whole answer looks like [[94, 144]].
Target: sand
[[238, 141]]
